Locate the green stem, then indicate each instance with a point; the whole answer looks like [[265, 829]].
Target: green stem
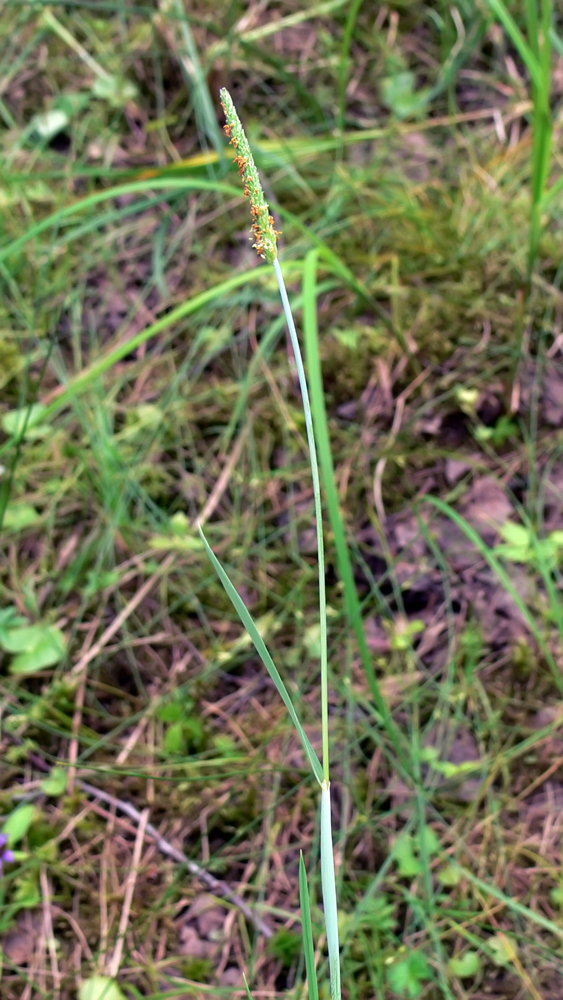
[[318, 513]]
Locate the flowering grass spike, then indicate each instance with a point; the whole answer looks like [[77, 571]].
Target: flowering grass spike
[[263, 227]]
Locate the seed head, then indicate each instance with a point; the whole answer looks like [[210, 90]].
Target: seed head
[[263, 228]]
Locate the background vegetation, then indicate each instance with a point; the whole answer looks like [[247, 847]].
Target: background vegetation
[[151, 789]]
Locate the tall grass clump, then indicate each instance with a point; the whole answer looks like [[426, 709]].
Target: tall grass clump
[[266, 245], [535, 50]]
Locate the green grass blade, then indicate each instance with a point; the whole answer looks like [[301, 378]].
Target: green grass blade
[[328, 880], [206, 116], [512, 905], [90, 201], [556, 41], [513, 31], [320, 421], [345, 60], [262, 650], [532, 26], [308, 943], [88, 375]]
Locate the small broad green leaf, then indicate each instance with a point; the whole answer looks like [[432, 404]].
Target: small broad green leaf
[[449, 876], [48, 649], [516, 534], [115, 90], [9, 619], [556, 896], [18, 823], [21, 639], [431, 840], [193, 731], [27, 894], [465, 966], [403, 633], [399, 93], [179, 523], [48, 124], [175, 739], [100, 988], [523, 547], [451, 770], [96, 580], [348, 338], [18, 516], [312, 640], [467, 398], [504, 429], [407, 976], [172, 542], [224, 744], [407, 862], [25, 420], [181, 537], [72, 102], [172, 712], [519, 544], [55, 784], [503, 950]]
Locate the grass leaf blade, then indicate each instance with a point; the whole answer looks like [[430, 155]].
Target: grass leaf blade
[[502, 13], [308, 943], [322, 436], [262, 650]]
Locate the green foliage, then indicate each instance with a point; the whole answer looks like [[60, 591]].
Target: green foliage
[[198, 969], [100, 988], [399, 91], [504, 430], [19, 516], [286, 945], [17, 824], [408, 976], [308, 942], [409, 854], [377, 914], [465, 966], [35, 646], [185, 732], [26, 422], [400, 239], [523, 546]]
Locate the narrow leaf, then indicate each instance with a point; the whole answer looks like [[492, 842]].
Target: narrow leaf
[[262, 650], [502, 13], [308, 943], [322, 435]]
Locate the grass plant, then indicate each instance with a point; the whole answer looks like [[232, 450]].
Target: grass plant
[[146, 381], [535, 49], [266, 236]]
